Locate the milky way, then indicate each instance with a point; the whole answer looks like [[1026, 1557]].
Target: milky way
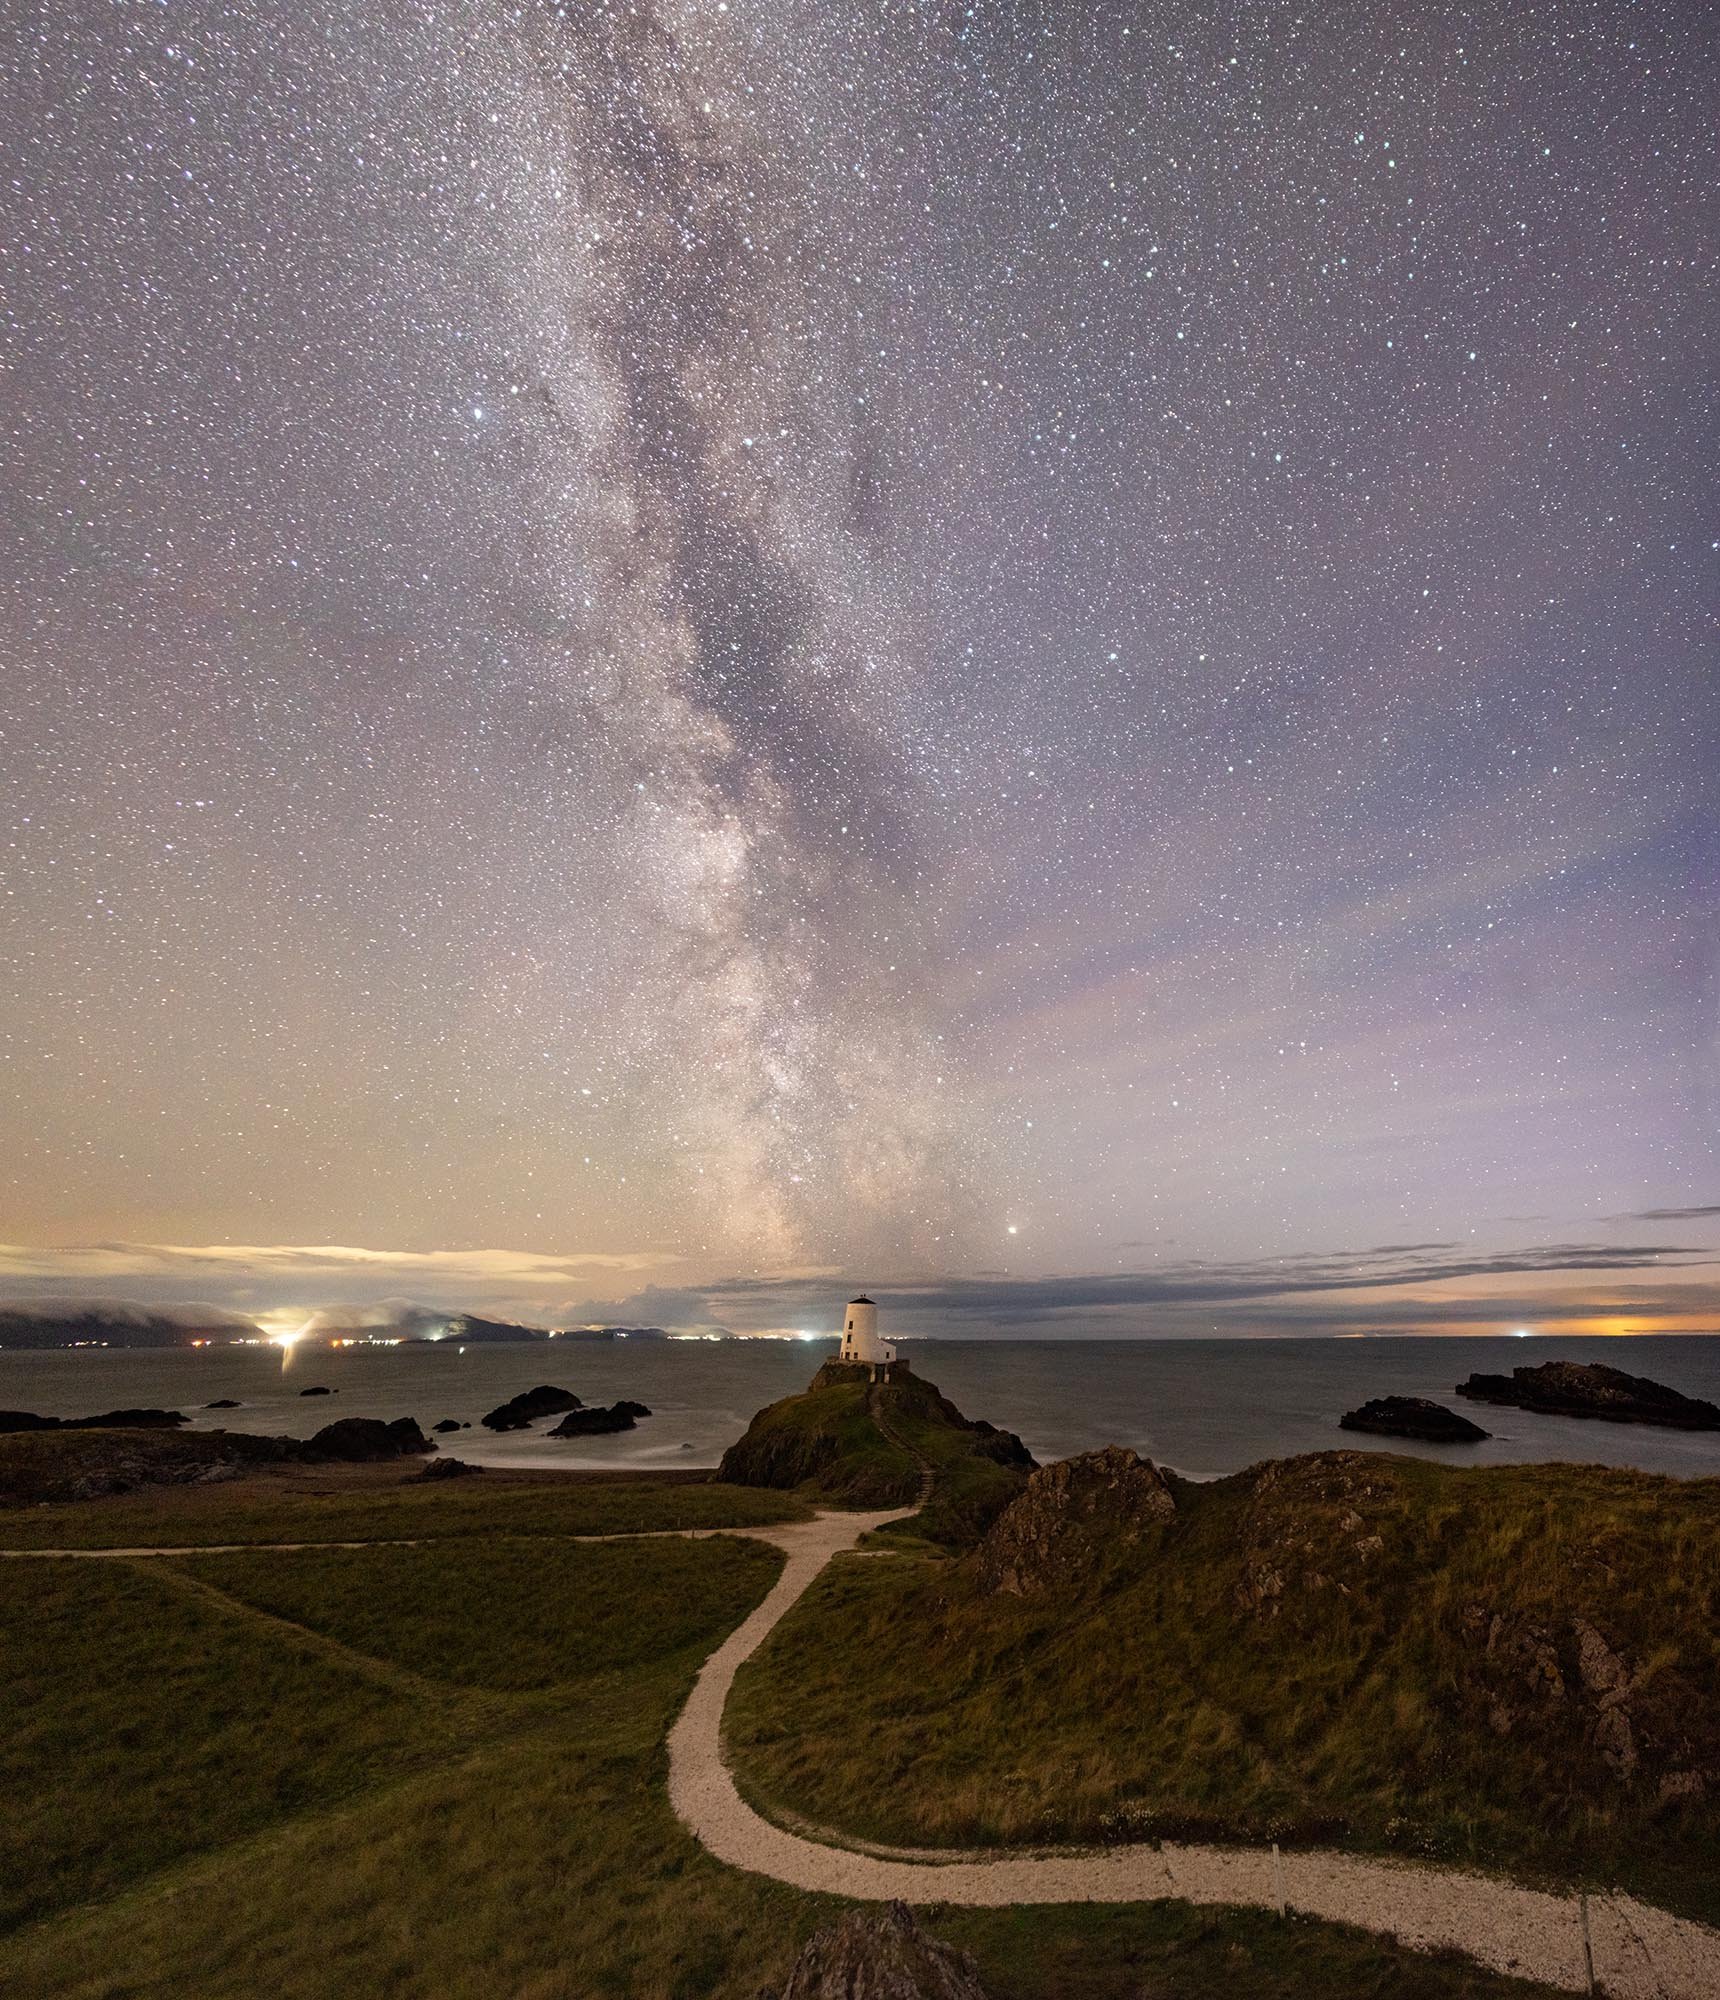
[[914, 641]]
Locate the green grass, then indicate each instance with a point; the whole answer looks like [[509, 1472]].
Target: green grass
[[515, 1615], [1250, 1672], [233, 1808], [823, 1441], [137, 1725], [864, 1444], [969, 1491], [276, 1510]]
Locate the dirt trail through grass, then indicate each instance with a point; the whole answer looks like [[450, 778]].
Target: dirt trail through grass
[[1610, 1944], [1636, 1952]]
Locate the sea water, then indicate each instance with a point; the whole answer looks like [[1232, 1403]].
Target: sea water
[[1204, 1407]]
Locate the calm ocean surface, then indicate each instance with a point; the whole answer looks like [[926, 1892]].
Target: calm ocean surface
[[1203, 1407]]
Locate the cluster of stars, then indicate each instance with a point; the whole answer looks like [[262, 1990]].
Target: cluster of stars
[[864, 636]]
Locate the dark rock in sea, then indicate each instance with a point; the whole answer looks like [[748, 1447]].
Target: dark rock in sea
[[447, 1468], [1413, 1417], [447, 1424], [130, 1420], [109, 1420], [1592, 1389], [222, 1403], [524, 1409], [362, 1440], [597, 1423], [1071, 1518], [632, 1409], [318, 1390], [879, 1955]]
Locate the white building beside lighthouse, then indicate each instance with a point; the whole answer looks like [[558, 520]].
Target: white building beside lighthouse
[[860, 1340]]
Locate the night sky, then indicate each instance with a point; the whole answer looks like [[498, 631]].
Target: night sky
[[660, 659]]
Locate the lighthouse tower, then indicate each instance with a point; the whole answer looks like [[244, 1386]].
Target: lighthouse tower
[[860, 1340]]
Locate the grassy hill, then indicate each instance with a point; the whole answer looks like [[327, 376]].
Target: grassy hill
[[436, 1772], [1515, 1666], [869, 1444]]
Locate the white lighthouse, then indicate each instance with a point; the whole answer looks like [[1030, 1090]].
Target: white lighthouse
[[860, 1340]]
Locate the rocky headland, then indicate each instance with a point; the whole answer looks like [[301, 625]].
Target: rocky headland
[[875, 1443], [109, 1420], [49, 1461]]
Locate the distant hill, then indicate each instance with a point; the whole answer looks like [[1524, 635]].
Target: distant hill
[[117, 1323], [123, 1323]]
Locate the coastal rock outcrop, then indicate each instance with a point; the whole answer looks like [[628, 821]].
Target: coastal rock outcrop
[[1313, 1526], [1566, 1679], [1412, 1417], [879, 1955], [450, 1424], [1071, 1517], [74, 1462], [598, 1422], [1592, 1389], [447, 1468], [870, 1443], [109, 1420], [519, 1412], [363, 1440], [223, 1403], [317, 1389]]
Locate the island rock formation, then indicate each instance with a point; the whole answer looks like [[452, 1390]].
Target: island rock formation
[[599, 1422], [876, 1443], [1592, 1389], [363, 1440], [520, 1412], [1412, 1417]]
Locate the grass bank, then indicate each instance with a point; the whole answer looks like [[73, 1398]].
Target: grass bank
[[438, 1772], [1515, 1667], [850, 1441], [371, 1502]]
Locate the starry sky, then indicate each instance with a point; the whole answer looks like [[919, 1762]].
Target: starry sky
[[658, 658]]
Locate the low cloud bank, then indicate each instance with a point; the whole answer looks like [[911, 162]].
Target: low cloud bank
[[1395, 1287]]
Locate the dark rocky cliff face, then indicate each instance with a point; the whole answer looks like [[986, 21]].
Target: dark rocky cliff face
[[775, 1451], [1071, 1518]]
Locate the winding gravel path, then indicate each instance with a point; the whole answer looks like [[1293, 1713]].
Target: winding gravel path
[[1611, 1944]]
